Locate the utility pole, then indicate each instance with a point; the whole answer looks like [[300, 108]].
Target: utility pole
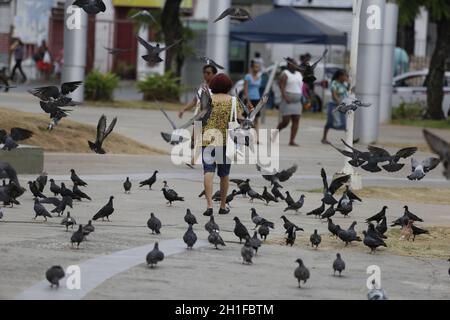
[[218, 36]]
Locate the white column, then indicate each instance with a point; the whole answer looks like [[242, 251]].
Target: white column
[[218, 33], [75, 44], [387, 65]]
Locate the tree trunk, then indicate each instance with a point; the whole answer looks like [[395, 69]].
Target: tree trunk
[[173, 31], [435, 78]]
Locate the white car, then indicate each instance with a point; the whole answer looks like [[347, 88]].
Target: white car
[[409, 87]]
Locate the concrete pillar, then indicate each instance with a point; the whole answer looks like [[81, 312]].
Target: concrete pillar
[[75, 44], [218, 33], [369, 66], [387, 64]]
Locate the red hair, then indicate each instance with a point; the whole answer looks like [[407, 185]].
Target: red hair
[[221, 83]]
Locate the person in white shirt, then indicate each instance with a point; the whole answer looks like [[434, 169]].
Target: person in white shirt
[[291, 83]]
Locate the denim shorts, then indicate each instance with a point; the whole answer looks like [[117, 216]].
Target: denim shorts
[[211, 162]]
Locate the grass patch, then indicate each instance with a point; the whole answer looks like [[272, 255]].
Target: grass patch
[[417, 195], [68, 136], [435, 245], [435, 124]]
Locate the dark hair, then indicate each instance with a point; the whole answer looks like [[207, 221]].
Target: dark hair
[[210, 66], [339, 73], [221, 83], [257, 54]]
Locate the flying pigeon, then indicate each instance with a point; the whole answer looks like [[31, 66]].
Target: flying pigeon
[[143, 14], [54, 274], [211, 62], [441, 148], [350, 104], [102, 134], [306, 69], [301, 273], [91, 6], [155, 256], [280, 176], [153, 52], [419, 169], [59, 98], [235, 13], [16, 134], [106, 211]]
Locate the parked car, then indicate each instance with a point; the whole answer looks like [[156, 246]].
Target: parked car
[[410, 87]]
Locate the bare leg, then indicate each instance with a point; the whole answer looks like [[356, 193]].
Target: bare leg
[[325, 135], [224, 183], [294, 129], [208, 184]]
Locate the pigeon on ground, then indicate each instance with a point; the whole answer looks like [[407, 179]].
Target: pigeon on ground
[[268, 197], [441, 148], [209, 61], [382, 226], [146, 14], [217, 196], [77, 236], [276, 193], [54, 188], [88, 228], [1, 213], [215, 238], [328, 213], [418, 231], [240, 230], [296, 205], [243, 185], [307, 70], [330, 190], [288, 199], [102, 134], [42, 181], [106, 211], [80, 193], [411, 215], [127, 185], [254, 195], [91, 6], [255, 243], [235, 13], [155, 256], [263, 231], [332, 227], [230, 197], [291, 236], [189, 218], [350, 104], [376, 293], [149, 182], [16, 134], [318, 211], [190, 238], [171, 196], [315, 239], [68, 221], [352, 196], [40, 211], [301, 272], [288, 224], [153, 52], [420, 169], [374, 233], [154, 224], [54, 274], [76, 179], [62, 205], [346, 235], [35, 190], [345, 205], [211, 225], [247, 251], [379, 216], [68, 193], [338, 265], [256, 218], [372, 243]]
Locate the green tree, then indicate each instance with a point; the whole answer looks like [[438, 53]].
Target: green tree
[[439, 13], [173, 31]]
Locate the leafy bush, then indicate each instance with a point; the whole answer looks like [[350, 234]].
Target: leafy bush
[[160, 87], [126, 70], [100, 86], [409, 111]]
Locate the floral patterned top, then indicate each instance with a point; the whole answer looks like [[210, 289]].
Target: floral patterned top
[[218, 123], [341, 90]]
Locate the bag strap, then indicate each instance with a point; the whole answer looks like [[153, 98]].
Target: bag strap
[[233, 115]]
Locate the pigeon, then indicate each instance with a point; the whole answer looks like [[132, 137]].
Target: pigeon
[[88, 228], [68, 193], [296, 205], [332, 227], [330, 190], [230, 197], [255, 243], [127, 185], [189, 218], [54, 187], [153, 52], [249, 121], [287, 224], [441, 148], [291, 236], [318, 211], [372, 243], [1, 213], [42, 181], [406, 232], [244, 186], [328, 213], [346, 235], [149, 182], [171, 196], [217, 196], [102, 134], [381, 155], [350, 104], [154, 224], [254, 195], [338, 265], [106, 211], [307, 70], [215, 238], [155, 256], [114, 51], [39, 210], [53, 94], [358, 158], [280, 176], [411, 215], [76, 179], [315, 239], [68, 221], [56, 113], [376, 293], [54, 274], [190, 238], [16, 134], [209, 61], [351, 229], [379, 216], [374, 233], [382, 226], [240, 230], [268, 197], [91, 6], [276, 193], [418, 231], [288, 199], [263, 231], [247, 251], [351, 195], [420, 169], [77, 236], [235, 13], [211, 225], [345, 205], [143, 14], [35, 189], [301, 272], [256, 218], [80, 193], [61, 207]]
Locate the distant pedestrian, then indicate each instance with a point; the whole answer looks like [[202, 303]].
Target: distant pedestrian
[[18, 48], [291, 83], [252, 85], [339, 91]]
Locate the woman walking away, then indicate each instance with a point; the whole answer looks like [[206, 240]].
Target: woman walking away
[[291, 83], [19, 54], [339, 91], [214, 141], [252, 84]]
